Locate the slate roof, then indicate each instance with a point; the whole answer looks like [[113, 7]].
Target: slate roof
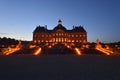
[[79, 29], [40, 29], [59, 26]]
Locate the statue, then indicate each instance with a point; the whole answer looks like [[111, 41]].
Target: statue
[[98, 45], [19, 44]]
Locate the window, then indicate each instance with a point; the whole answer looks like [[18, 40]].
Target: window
[[34, 35], [72, 35], [62, 39], [53, 39], [69, 40], [46, 40], [39, 41], [76, 40], [53, 34], [34, 41], [49, 35], [59, 39], [80, 35], [65, 39], [69, 35], [76, 35], [72, 40], [56, 39], [80, 41], [84, 41], [59, 34], [56, 34], [50, 40], [42, 35], [84, 35]]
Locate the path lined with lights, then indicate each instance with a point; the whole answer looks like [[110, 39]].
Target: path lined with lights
[[99, 48], [38, 51], [78, 51], [108, 52], [11, 50]]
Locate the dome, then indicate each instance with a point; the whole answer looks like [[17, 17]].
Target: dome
[[59, 26]]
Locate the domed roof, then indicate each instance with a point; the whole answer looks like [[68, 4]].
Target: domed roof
[[59, 26]]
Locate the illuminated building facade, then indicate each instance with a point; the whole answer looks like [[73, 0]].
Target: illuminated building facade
[[76, 36]]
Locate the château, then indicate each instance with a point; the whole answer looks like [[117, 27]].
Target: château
[[43, 36]]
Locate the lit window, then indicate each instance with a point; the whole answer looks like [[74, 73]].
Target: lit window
[[69, 35], [62, 39], [53, 39], [72, 40], [76, 40], [34, 35], [84, 35], [56, 39], [65, 39], [49, 35], [34, 41], [59, 39], [50, 40], [59, 34], [80, 40], [42, 35], [76, 35], [84, 41], [69, 41], [72, 35], [80, 35]]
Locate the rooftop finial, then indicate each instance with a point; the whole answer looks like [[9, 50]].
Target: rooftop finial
[[59, 22]]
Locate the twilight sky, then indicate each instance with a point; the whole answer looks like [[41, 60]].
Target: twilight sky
[[100, 18]]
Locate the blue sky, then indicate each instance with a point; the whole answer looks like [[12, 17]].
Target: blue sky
[[100, 18]]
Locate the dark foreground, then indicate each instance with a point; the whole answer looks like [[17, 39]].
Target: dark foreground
[[59, 67]]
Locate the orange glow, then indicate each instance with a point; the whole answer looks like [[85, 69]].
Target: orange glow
[[99, 48], [38, 51], [32, 46], [11, 50], [78, 51], [104, 51], [68, 46], [49, 46]]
